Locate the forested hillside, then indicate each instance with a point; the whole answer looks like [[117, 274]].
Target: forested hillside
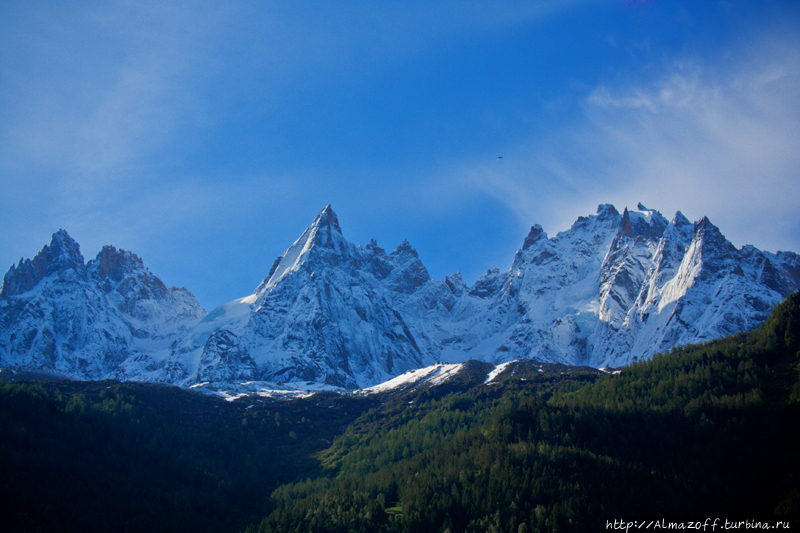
[[107, 456], [707, 430]]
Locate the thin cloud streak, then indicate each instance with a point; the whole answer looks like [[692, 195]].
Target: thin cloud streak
[[714, 144], [105, 120], [698, 139]]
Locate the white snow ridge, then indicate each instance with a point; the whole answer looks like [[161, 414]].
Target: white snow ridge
[[612, 289]]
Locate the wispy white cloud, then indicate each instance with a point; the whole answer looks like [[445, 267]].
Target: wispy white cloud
[[708, 139], [722, 143], [674, 92], [123, 81], [111, 96]]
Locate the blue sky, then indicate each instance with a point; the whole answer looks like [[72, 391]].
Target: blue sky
[[206, 136]]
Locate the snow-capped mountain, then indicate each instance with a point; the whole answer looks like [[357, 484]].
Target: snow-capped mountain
[[325, 313], [89, 321], [612, 289]]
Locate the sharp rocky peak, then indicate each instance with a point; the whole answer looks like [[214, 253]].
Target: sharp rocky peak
[[605, 211], [114, 264], [324, 233], [325, 225], [321, 241], [61, 256], [536, 233], [680, 220], [373, 245], [405, 249], [710, 237], [704, 229], [408, 272], [643, 222], [62, 253], [455, 283]]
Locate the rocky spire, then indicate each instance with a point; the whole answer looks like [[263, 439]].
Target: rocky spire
[[408, 273], [321, 242], [113, 264], [325, 228], [606, 211], [536, 233], [643, 222], [61, 256]]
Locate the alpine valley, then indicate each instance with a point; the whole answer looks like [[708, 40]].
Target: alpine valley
[[613, 289]]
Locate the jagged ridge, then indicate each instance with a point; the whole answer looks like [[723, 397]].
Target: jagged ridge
[[612, 289], [89, 321]]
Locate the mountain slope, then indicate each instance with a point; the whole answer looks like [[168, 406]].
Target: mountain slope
[[89, 321], [612, 289], [707, 431], [324, 313]]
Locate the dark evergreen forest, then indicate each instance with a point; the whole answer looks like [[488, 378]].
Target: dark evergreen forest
[[704, 431]]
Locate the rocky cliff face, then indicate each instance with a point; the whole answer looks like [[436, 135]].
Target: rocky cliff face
[[88, 320], [614, 288], [325, 313]]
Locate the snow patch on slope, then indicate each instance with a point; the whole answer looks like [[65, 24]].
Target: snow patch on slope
[[497, 371], [432, 375]]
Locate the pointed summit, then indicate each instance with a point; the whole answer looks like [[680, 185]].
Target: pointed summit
[[328, 217], [324, 231], [625, 226], [60, 257], [536, 233], [114, 264], [408, 272], [63, 253], [711, 238], [455, 283], [404, 249], [321, 242], [680, 220], [328, 222]]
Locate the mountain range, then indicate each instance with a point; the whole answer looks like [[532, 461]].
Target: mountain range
[[612, 289]]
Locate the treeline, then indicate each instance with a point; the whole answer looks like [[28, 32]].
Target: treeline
[[708, 430]]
